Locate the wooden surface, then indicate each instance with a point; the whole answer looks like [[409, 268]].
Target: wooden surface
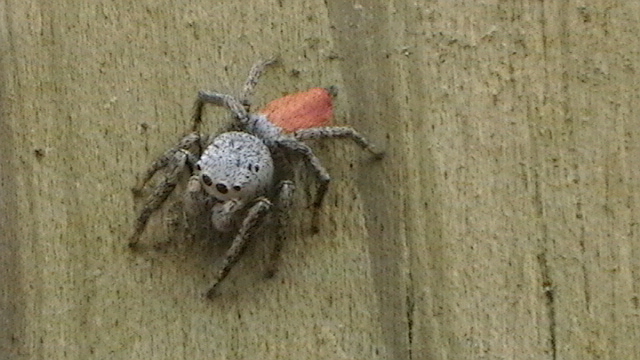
[[503, 224]]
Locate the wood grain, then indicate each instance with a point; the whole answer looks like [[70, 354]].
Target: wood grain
[[503, 223]]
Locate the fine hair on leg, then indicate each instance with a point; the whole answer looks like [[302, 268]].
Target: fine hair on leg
[[161, 192], [322, 176], [338, 132], [248, 89], [252, 220], [223, 100]]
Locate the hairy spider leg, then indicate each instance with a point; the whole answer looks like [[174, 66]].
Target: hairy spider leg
[[248, 89], [322, 175], [175, 160], [190, 143], [228, 101], [252, 220], [338, 132]]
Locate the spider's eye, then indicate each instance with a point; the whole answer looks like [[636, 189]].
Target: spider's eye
[[222, 188], [237, 187], [206, 180], [198, 167]]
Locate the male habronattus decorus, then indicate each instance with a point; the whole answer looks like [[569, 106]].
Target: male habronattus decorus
[[236, 176]]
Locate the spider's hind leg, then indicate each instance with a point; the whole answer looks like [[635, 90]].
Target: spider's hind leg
[[217, 99], [322, 176], [339, 132], [297, 146]]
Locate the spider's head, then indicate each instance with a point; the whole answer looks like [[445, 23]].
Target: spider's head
[[235, 166]]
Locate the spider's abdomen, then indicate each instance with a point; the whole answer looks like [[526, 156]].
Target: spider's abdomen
[[302, 110], [236, 166]]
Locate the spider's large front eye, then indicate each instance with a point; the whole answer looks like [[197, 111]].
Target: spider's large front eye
[[222, 188], [206, 180]]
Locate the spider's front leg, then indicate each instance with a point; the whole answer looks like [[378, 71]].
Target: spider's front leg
[[175, 161], [190, 144], [252, 220], [223, 100], [238, 106]]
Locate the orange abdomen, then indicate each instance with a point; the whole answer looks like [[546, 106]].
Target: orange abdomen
[[301, 110]]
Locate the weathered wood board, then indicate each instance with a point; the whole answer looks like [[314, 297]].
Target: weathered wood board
[[503, 223]]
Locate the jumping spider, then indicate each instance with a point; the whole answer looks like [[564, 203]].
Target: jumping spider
[[240, 176]]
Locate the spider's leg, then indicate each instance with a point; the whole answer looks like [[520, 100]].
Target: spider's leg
[[223, 100], [283, 203], [161, 192], [252, 220], [341, 132], [189, 143], [160, 163], [252, 80], [321, 174], [196, 118]]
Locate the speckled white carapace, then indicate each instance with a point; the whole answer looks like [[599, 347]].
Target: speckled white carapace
[[236, 166]]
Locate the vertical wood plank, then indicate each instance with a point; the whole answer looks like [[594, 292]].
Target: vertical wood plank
[[501, 224]]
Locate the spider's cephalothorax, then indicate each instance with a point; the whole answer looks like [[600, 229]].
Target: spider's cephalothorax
[[235, 166], [234, 177], [234, 170]]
